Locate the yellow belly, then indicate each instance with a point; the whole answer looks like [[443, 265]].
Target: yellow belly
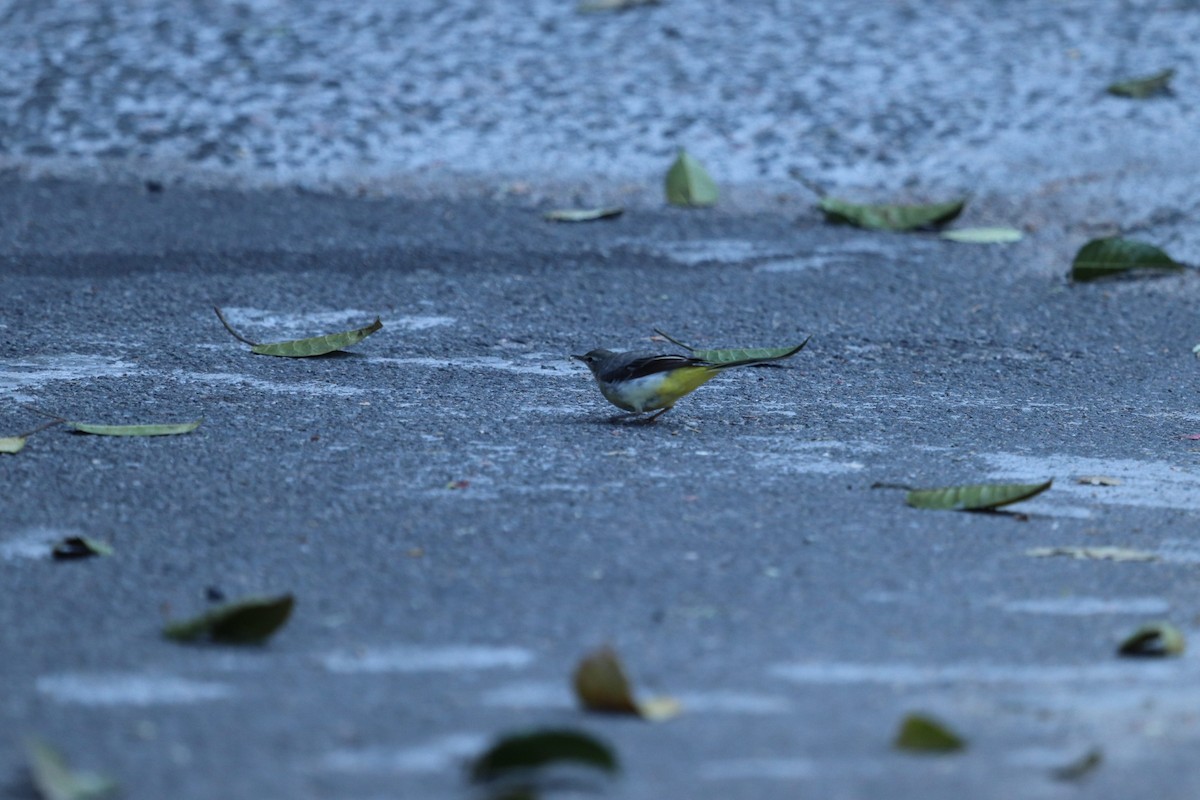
[[656, 391]]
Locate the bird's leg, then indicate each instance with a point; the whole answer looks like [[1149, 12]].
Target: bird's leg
[[651, 419]]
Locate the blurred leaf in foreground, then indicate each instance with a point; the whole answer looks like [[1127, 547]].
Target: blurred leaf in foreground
[[923, 734], [54, 780], [522, 754], [75, 547], [304, 348], [248, 621], [1100, 258], [975, 497], [583, 214], [1155, 639], [1081, 767], [890, 217], [688, 184], [737, 354], [601, 685], [1146, 86]]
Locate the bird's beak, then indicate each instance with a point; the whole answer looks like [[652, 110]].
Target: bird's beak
[[579, 358]]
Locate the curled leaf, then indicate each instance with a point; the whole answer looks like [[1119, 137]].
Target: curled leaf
[[924, 734], [1101, 258], [890, 217], [688, 184], [583, 214], [1155, 639], [248, 621], [601, 685], [521, 753], [74, 547], [55, 780], [975, 497], [1146, 86], [12, 444], [304, 348], [738, 354], [983, 235], [135, 430]]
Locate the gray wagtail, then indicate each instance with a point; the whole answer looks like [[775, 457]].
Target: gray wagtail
[[644, 381]]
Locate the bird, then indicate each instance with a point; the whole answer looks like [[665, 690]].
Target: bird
[[640, 381]]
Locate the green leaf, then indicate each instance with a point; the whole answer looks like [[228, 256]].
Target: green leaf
[[135, 430], [738, 354], [923, 734], [613, 5], [12, 444], [74, 547], [983, 235], [248, 621], [303, 348], [524, 752], [1081, 767], [54, 780], [602, 685], [317, 345], [891, 217], [1141, 88], [1100, 258], [583, 214], [1155, 639], [688, 184], [975, 497]]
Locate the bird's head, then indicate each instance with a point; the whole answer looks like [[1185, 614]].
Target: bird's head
[[594, 358]]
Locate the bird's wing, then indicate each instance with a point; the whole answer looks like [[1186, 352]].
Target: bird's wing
[[639, 366]]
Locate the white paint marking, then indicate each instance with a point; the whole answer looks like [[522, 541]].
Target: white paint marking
[[847, 674], [724, 702], [439, 755], [1089, 606], [271, 387], [406, 658], [546, 365], [531, 695], [768, 769], [33, 542], [37, 371], [317, 323], [1148, 484], [132, 689]]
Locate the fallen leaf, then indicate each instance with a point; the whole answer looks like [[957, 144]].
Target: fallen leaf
[[523, 753], [1098, 480], [601, 685], [890, 217], [1079, 768], [1146, 86], [738, 354], [54, 780], [923, 734], [304, 348], [1101, 258], [688, 184], [583, 214], [135, 430], [12, 444], [248, 621], [74, 547], [1095, 553], [1155, 640], [975, 497], [1192, 436], [458, 485], [983, 235]]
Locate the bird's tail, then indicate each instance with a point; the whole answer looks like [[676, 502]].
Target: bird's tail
[[749, 362]]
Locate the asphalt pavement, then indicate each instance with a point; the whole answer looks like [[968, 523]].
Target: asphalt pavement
[[449, 500]]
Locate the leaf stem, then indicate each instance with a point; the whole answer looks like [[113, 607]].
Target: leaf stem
[[228, 327]]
